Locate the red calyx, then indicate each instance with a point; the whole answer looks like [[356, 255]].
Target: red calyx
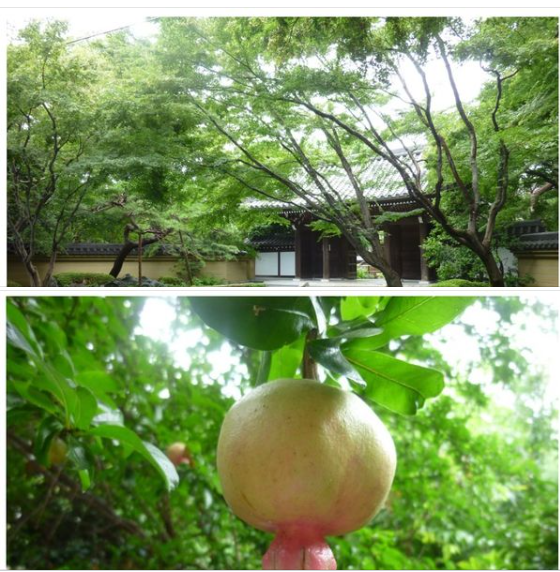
[[299, 550]]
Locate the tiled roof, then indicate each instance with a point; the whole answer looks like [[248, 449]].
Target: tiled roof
[[379, 179], [538, 241], [274, 242], [526, 227], [102, 249]]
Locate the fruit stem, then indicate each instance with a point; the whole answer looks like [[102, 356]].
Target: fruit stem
[[309, 365]]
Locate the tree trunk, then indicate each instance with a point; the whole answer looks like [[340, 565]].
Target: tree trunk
[[536, 193], [495, 275], [48, 276], [391, 276], [27, 261], [126, 249], [374, 257], [188, 269], [33, 273], [185, 255]]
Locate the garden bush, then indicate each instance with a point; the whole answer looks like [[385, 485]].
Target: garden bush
[[459, 282], [363, 273], [209, 281], [172, 281], [132, 281], [66, 279]]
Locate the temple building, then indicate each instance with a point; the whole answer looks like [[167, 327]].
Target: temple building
[[298, 251]]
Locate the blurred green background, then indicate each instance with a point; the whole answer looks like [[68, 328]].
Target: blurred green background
[[476, 484]]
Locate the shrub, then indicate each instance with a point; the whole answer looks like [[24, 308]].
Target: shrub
[[132, 281], [66, 279], [172, 281], [362, 273], [13, 284], [450, 260], [514, 279], [195, 266], [209, 281], [459, 282]]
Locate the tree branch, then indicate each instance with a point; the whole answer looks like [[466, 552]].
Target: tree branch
[[74, 488]]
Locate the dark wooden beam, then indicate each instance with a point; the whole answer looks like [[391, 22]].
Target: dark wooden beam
[[326, 259], [298, 245]]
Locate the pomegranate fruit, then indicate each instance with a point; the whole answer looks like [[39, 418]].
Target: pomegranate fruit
[[304, 460], [57, 451], [178, 453]]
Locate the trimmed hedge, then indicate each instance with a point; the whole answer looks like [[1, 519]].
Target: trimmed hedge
[[459, 282], [247, 285], [66, 279]]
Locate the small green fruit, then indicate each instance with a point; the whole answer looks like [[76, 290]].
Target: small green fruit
[[57, 451]]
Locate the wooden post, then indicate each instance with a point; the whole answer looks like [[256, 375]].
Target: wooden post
[[298, 245], [387, 244], [326, 259], [423, 232]]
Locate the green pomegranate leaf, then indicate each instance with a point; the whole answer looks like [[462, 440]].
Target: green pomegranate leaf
[[417, 315], [36, 397], [353, 307], [17, 339], [264, 368], [77, 454], [98, 381], [327, 353], [19, 331], [358, 328], [261, 323], [286, 360], [320, 316], [152, 454], [85, 479], [86, 408], [47, 430], [397, 385]]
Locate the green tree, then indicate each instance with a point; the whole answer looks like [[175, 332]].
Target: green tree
[[53, 127], [523, 50], [100, 116], [157, 185], [297, 99]]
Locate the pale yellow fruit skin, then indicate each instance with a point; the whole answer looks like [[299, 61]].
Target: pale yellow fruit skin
[[298, 453], [176, 452]]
